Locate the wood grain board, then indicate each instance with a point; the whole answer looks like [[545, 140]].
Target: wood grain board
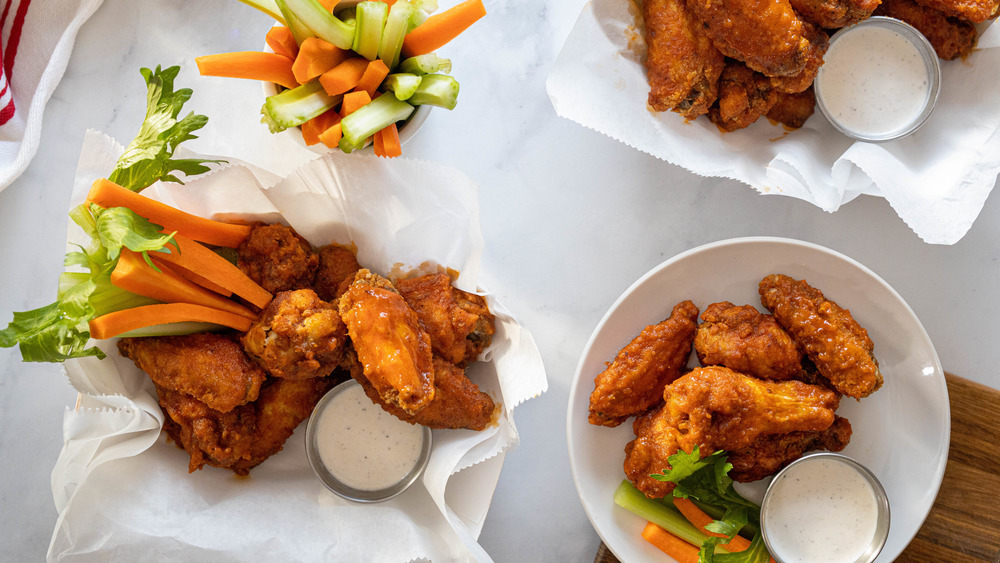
[[964, 523]]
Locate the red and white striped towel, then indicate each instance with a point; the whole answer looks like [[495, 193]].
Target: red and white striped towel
[[36, 38]]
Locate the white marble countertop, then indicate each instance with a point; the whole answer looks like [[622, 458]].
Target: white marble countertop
[[571, 218]]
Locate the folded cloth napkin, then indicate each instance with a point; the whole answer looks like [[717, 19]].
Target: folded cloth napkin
[[35, 44]]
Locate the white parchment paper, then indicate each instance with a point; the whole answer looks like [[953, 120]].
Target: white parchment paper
[[936, 180], [124, 494]]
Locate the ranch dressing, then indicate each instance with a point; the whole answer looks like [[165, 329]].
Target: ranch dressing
[[874, 81], [820, 510], [362, 445]]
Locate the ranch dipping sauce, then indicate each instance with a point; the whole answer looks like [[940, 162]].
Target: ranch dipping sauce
[[879, 80], [824, 508], [360, 451]]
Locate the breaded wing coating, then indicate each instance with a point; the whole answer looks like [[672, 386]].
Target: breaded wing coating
[[207, 435], [682, 63], [634, 381], [975, 11], [459, 323], [394, 350], [744, 96], [648, 454], [209, 367], [792, 110], [838, 346], [950, 36], [765, 34], [769, 454], [834, 14], [819, 42], [277, 258], [336, 270], [743, 339], [297, 336]]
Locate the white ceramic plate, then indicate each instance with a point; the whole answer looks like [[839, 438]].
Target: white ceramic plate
[[901, 432]]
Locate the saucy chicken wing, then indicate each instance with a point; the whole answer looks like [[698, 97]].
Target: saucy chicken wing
[[210, 367], [682, 64], [834, 14], [819, 42], [743, 339], [634, 381], [744, 96], [277, 258], [336, 270], [770, 453], [459, 324], [951, 37], [838, 346], [220, 439], [394, 350], [792, 110], [975, 11]]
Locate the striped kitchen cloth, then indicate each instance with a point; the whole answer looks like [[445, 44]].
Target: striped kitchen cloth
[[36, 38]]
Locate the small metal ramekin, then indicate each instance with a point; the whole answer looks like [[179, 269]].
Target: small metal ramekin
[[881, 502], [931, 62], [346, 491]]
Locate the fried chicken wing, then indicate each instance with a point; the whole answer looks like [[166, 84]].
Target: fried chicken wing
[[975, 11], [634, 381], [336, 270], [394, 350], [277, 258], [838, 346], [207, 435], [743, 339], [459, 324], [458, 402], [297, 336], [209, 367], [950, 36], [765, 34], [744, 96], [819, 42], [648, 454], [834, 14], [770, 453], [792, 110], [682, 64]]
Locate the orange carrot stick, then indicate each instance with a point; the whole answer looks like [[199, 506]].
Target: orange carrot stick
[[353, 101], [329, 5], [316, 57], [331, 137], [106, 193], [374, 74], [279, 38], [442, 28], [343, 77], [191, 276], [387, 141], [254, 65], [700, 520], [199, 259], [134, 275], [118, 322], [312, 129], [670, 544]]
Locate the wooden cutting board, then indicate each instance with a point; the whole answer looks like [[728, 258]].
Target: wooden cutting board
[[964, 523]]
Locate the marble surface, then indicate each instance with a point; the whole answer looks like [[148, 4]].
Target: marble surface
[[570, 217]]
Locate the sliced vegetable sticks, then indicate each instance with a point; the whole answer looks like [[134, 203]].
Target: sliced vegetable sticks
[[316, 57], [256, 65], [441, 28], [120, 322]]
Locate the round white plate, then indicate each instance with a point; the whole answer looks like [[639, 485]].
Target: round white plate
[[901, 432]]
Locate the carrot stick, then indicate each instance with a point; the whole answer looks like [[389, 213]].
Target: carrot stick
[[700, 520], [374, 74], [199, 259], [331, 137], [378, 145], [280, 39], [106, 193], [329, 5], [316, 57], [118, 322], [191, 276], [388, 138], [353, 101], [343, 77], [255, 65], [135, 276], [670, 544], [442, 28], [312, 129]]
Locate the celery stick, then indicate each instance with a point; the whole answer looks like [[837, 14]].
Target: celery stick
[[173, 329], [749, 530], [296, 106], [425, 64], [402, 85], [396, 26], [436, 90], [664, 516], [371, 16], [324, 24], [373, 116], [298, 29]]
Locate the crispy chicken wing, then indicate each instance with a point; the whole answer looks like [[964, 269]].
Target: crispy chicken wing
[[951, 37], [682, 64], [297, 336], [833, 14], [829, 335], [207, 435], [634, 381], [394, 350], [459, 323], [655, 441], [336, 270], [277, 258], [819, 42], [745, 340], [765, 34], [770, 453], [209, 367], [792, 110], [744, 96], [975, 11]]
